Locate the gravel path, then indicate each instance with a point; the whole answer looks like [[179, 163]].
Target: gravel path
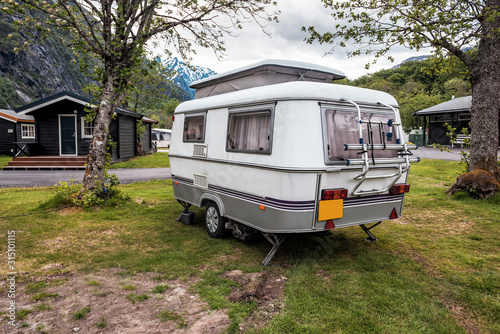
[[44, 178]]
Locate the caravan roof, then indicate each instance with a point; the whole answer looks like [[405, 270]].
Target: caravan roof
[[266, 72], [289, 91]]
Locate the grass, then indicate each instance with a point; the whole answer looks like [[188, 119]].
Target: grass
[[133, 297], [168, 315], [155, 160], [4, 160], [81, 314], [161, 288], [434, 270]]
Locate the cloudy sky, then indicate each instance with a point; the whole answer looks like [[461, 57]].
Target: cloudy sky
[[287, 42]]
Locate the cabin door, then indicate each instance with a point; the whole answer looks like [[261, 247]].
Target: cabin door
[[67, 135]]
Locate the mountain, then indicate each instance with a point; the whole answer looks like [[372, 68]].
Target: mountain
[[44, 68], [416, 58], [35, 72], [183, 75]]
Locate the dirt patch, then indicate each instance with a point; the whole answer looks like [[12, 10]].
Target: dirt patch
[[109, 302], [462, 316], [265, 288]]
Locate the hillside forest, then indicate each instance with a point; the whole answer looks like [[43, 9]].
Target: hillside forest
[[418, 85]]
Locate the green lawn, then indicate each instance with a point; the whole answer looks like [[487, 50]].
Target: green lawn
[[155, 160], [4, 160], [434, 270]]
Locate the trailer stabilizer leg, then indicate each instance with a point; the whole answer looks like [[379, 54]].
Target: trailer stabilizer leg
[[186, 217], [371, 237], [276, 240]]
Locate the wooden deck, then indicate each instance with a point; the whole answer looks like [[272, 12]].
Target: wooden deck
[[47, 162]]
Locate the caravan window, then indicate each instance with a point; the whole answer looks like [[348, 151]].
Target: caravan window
[[194, 128], [250, 132], [342, 127]]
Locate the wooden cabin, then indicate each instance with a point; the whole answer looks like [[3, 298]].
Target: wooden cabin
[[16, 131], [60, 131]]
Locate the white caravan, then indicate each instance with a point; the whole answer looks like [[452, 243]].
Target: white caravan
[[276, 147]]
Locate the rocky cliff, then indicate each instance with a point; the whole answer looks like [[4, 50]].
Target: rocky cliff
[[42, 69]]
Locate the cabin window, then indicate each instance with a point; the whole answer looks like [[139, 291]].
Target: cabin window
[[28, 131], [87, 128], [464, 117], [250, 132], [342, 127], [194, 129], [440, 118]]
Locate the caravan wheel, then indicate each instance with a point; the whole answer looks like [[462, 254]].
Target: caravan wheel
[[214, 222]]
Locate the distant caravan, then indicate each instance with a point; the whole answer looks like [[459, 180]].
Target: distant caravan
[[276, 148]]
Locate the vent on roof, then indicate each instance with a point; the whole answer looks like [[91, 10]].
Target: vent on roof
[[200, 150], [201, 181]]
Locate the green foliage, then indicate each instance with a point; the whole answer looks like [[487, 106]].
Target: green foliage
[[4, 160], [71, 193], [418, 85], [43, 295], [464, 143], [81, 314], [155, 160], [167, 315], [22, 314], [102, 323], [132, 297], [161, 288]]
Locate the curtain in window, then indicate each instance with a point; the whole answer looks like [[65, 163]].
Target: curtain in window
[[193, 128], [250, 131], [342, 128]]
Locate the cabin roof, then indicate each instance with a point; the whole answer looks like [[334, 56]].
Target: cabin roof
[[298, 90], [459, 104], [12, 116], [149, 120], [263, 73], [65, 95]]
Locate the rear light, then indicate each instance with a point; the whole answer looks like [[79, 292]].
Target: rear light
[[329, 225], [173, 119], [399, 189], [328, 194]]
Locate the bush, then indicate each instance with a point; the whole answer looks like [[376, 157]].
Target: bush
[[71, 193]]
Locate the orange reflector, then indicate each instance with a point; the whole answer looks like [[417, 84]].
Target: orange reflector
[[262, 207], [329, 225], [394, 214], [176, 183]]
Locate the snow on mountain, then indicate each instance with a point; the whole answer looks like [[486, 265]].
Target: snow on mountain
[[417, 58], [184, 75]]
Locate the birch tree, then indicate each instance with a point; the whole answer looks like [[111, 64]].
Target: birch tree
[[117, 32], [467, 29]]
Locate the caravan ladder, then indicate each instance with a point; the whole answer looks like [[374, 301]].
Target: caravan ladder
[[402, 161]]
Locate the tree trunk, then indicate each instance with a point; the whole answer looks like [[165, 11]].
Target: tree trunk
[[95, 170], [485, 79]]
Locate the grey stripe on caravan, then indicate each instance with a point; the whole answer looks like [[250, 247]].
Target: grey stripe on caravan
[[293, 205]]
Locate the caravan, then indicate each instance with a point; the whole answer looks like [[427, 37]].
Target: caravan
[[277, 148]]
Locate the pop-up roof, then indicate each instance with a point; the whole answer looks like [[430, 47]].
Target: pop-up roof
[[267, 72]]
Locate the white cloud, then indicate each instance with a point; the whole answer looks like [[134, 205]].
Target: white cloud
[[287, 42]]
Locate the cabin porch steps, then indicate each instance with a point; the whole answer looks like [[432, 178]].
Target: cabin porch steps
[[47, 163]]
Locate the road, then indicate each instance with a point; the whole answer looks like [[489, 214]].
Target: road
[[44, 178]]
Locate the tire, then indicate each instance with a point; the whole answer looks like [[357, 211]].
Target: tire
[[214, 222]]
